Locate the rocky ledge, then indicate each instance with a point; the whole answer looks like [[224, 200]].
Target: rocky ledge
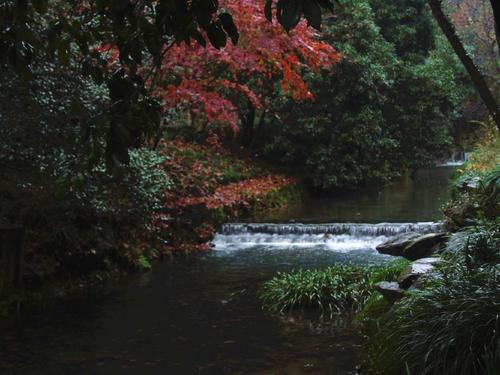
[[417, 247], [413, 246]]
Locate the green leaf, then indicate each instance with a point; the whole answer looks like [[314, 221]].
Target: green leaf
[[229, 26], [289, 12], [268, 10], [216, 35], [196, 35], [312, 12]]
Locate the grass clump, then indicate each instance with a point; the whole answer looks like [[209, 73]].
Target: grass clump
[[451, 328], [338, 288], [475, 246], [367, 320]]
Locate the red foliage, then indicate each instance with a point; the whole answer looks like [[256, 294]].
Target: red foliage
[[238, 193], [207, 80], [200, 176]]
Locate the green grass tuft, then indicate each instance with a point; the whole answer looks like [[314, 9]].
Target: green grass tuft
[[342, 287], [452, 327], [449, 329]]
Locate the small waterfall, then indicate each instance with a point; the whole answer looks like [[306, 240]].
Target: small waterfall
[[354, 229], [456, 158], [340, 237]]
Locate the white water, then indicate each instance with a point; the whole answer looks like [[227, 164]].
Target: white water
[[457, 158], [336, 237]]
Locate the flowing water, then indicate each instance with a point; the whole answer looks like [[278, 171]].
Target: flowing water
[[200, 314], [457, 158]]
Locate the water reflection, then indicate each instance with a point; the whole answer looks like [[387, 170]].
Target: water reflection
[[409, 198], [201, 315], [195, 316]]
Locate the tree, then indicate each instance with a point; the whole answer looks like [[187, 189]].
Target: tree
[[407, 24], [496, 13], [142, 31], [386, 106], [475, 74], [227, 85], [473, 20]]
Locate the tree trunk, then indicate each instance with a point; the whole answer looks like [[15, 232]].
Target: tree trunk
[[249, 126], [495, 4], [11, 257], [474, 73]]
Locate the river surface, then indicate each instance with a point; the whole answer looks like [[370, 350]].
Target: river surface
[[201, 315]]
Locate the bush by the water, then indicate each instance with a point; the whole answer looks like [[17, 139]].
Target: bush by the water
[[475, 246], [337, 288], [476, 186], [451, 328], [387, 106]]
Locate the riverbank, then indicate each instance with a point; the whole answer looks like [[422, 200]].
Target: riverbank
[[191, 189], [207, 302], [439, 314]]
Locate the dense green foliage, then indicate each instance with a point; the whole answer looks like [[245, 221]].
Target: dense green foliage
[[79, 218], [406, 24], [452, 326], [476, 187], [338, 288], [388, 105]]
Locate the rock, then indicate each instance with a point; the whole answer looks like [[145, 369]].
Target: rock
[[418, 268], [396, 245], [424, 246], [412, 245], [390, 290], [469, 184]]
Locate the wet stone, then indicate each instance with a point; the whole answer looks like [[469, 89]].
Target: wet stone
[[415, 270], [390, 290], [396, 245], [413, 246]]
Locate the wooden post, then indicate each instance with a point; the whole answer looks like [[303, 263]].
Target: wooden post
[[11, 257]]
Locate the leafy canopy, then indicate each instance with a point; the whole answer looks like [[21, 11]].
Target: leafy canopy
[[142, 31]]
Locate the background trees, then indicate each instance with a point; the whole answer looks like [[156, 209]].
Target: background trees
[[105, 86], [141, 32], [226, 88], [387, 105], [475, 74]]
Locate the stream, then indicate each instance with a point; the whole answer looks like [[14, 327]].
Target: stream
[[200, 314]]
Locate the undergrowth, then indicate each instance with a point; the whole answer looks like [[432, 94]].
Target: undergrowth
[[337, 288], [449, 329], [452, 326]]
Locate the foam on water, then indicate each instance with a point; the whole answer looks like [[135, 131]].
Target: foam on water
[[457, 158], [338, 237]]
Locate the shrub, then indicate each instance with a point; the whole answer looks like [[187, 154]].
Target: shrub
[[450, 328], [368, 317], [470, 205], [337, 288], [486, 155], [475, 246], [78, 218]]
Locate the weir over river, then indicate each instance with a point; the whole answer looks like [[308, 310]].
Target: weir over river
[[201, 315]]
